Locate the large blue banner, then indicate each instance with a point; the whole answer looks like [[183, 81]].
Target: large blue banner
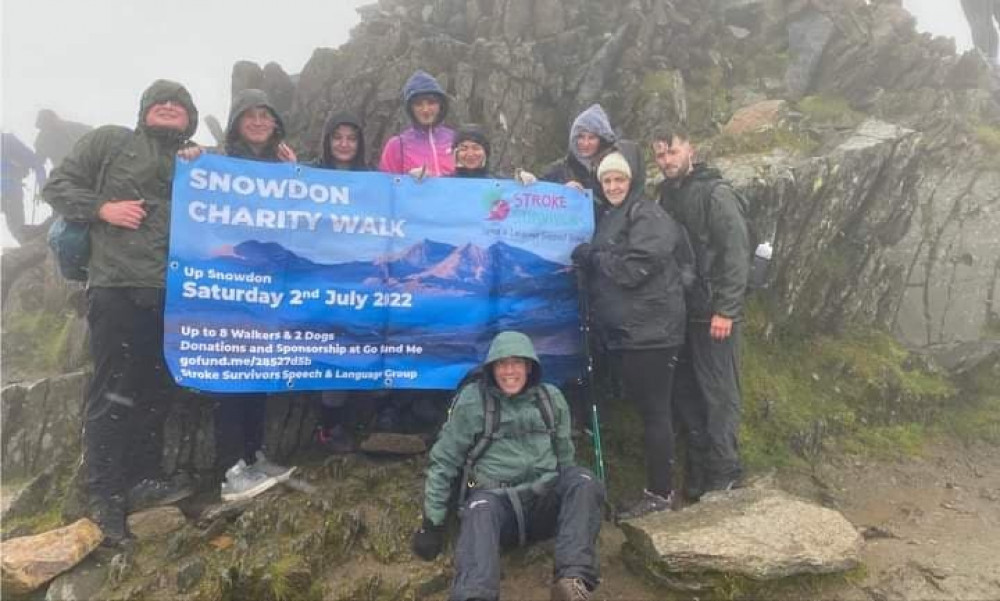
[[286, 277]]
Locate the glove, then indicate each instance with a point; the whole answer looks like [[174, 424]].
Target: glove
[[428, 542], [524, 177], [582, 255], [418, 173]]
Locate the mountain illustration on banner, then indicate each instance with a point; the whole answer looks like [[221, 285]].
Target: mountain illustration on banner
[[427, 266]]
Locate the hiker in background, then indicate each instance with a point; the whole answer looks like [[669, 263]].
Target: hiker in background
[[56, 136], [425, 147], [16, 162], [254, 132], [634, 273], [706, 387], [119, 181], [342, 147], [522, 484]]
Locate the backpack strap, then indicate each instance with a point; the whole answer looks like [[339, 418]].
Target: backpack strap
[[544, 401], [491, 421]]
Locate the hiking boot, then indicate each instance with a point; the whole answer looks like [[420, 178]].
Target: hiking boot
[[272, 470], [335, 440], [109, 515], [156, 493], [244, 482], [649, 503], [570, 589]]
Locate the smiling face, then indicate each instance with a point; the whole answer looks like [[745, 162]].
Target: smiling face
[[256, 126], [470, 155], [511, 374], [615, 185], [344, 144], [426, 108], [167, 115]]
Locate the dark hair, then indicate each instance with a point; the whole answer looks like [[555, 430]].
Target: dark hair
[[668, 134]]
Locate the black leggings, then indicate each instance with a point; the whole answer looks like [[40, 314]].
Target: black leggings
[[647, 376]]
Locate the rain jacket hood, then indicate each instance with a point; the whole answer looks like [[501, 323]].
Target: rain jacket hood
[[335, 120], [594, 120], [163, 90], [419, 83], [513, 344], [243, 101]]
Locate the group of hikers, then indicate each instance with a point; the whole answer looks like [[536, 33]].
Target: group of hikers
[[665, 282]]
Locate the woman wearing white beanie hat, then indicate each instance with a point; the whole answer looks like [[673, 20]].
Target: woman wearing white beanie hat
[[635, 272]]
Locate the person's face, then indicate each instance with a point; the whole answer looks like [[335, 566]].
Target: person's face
[[470, 155], [426, 109], [587, 144], [674, 159], [511, 374], [615, 185], [256, 126], [167, 115], [344, 143]]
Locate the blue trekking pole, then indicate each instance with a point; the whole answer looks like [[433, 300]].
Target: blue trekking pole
[[595, 421]]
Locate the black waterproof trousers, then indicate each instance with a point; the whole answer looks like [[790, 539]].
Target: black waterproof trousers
[[570, 510], [129, 393], [707, 401], [648, 376], [240, 420]]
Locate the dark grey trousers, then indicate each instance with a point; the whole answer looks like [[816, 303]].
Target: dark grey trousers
[[570, 510], [707, 401]]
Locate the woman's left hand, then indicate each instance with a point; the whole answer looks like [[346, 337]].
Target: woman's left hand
[[286, 154]]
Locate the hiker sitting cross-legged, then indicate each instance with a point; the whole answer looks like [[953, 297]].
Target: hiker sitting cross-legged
[[507, 445]]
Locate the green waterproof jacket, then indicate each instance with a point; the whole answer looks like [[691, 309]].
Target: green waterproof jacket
[[524, 453], [114, 163]]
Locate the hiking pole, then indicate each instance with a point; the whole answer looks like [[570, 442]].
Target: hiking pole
[[595, 422]]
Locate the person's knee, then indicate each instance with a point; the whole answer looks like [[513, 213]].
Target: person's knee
[[579, 478]]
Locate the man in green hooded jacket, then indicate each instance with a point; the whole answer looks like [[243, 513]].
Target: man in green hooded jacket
[[524, 486], [119, 181]]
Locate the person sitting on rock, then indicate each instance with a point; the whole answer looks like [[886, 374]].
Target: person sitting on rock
[[425, 147], [634, 275], [254, 132], [119, 181], [524, 485]]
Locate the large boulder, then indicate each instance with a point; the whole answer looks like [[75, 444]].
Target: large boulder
[[31, 561], [760, 534]]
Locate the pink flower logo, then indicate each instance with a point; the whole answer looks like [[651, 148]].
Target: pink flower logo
[[499, 210]]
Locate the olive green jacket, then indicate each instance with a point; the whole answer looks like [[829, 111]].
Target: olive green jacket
[[114, 163]]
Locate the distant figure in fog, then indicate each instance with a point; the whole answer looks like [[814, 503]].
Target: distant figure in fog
[[56, 136]]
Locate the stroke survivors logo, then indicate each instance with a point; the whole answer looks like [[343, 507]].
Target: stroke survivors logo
[[499, 208]]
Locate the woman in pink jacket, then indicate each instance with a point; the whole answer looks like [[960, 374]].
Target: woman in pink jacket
[[425, 147]]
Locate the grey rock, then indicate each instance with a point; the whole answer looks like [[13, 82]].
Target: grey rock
[[82, 583], [808, 37], [156, 522], [760, 534], [189, 574]]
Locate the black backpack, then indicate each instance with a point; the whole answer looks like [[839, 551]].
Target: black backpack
[[491, 422], [757, 276]]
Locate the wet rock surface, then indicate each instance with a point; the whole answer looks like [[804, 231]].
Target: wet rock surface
[[761, 534], [30, 562]]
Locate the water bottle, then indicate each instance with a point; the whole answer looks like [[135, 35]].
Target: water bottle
[[761, 265]]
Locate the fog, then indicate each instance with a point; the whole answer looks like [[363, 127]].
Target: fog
[[89, 61]]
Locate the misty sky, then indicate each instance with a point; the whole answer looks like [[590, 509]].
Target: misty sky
[[90, 60]]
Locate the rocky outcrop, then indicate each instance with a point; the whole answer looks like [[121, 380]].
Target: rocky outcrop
[[760, 534]]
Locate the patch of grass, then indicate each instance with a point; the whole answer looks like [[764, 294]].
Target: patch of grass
[[758, 142], [830, 110], [35, 343], [988, 137]]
